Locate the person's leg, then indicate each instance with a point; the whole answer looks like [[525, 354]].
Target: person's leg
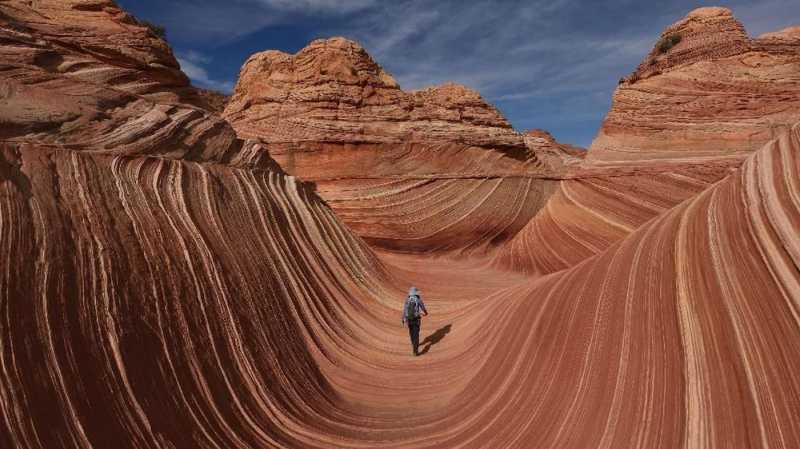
[[410, 325], [419, 329], [414, 328]]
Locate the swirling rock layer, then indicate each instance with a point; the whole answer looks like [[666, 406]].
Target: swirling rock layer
[[430, 170], [716, 92], [333, 92], [600, 206], [671, 335], [165, 284], [437, 215]]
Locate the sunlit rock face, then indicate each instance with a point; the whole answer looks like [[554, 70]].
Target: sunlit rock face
[[682, 121], [676, 303], [716, 92], [165, 284], [96, 43], [437, 169], [156, 271], [332, 92]]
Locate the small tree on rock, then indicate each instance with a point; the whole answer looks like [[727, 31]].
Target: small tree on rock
[[667, 42], [158, 30]]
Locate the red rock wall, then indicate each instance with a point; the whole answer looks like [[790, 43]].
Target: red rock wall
[[164, 284], [156, 303], [684, 334], [600, 206], [331, 115], [676, 126], [715, 93]]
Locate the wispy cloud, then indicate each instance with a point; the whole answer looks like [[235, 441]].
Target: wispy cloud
[[545, 63], [526, 57], [215, 23], [534, 58], [195, 57], [318, 6], [192, 63], [769, 15]]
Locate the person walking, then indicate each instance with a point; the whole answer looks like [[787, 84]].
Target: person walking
[[412, 315]]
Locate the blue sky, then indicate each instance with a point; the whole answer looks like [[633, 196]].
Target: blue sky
[[549, 64]]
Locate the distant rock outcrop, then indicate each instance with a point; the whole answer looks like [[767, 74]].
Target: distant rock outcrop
[[688, 117], [332, 92], [715, 92], [208, 99], [553, 154], [783, 41], [428, 170], [705, 34], [86, 76]]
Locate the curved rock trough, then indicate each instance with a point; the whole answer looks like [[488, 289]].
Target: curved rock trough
[[176, 277]]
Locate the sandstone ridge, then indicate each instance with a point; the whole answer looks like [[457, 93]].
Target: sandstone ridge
[[332, 91], [384, 158], [716, 92]]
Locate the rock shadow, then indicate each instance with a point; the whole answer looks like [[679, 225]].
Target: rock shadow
[[434, 338]]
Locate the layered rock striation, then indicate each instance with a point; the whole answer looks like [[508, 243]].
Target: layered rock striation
[[148, 255], [331, 95], [685, 119], [716, 92], [686, 326], [165, 284], [432, 170]]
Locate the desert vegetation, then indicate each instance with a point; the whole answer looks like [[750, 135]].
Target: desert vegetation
[[667, 42]]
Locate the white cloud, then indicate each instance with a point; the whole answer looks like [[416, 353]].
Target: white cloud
[[559, 60], [213, 22], [760, 17], [318, 6], [191, 64], [410, 24], [195, 57], [218, 22], [508, 50]]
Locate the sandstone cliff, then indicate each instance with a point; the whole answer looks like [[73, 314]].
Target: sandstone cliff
[[429, 170], [716, 92], [684, 120], [145, 250], [333, 93]]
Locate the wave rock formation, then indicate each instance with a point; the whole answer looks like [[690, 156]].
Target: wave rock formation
[[172, 277]]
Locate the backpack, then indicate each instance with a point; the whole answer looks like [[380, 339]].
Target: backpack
[[412, 308]]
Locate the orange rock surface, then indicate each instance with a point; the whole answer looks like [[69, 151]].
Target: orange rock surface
[[430, 170], [716, 92], [332, 92], [164, 283], [681, 122]]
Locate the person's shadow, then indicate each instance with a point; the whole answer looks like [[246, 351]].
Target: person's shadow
[[434, 338]]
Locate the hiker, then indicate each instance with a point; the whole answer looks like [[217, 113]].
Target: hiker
[[411, 314]]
